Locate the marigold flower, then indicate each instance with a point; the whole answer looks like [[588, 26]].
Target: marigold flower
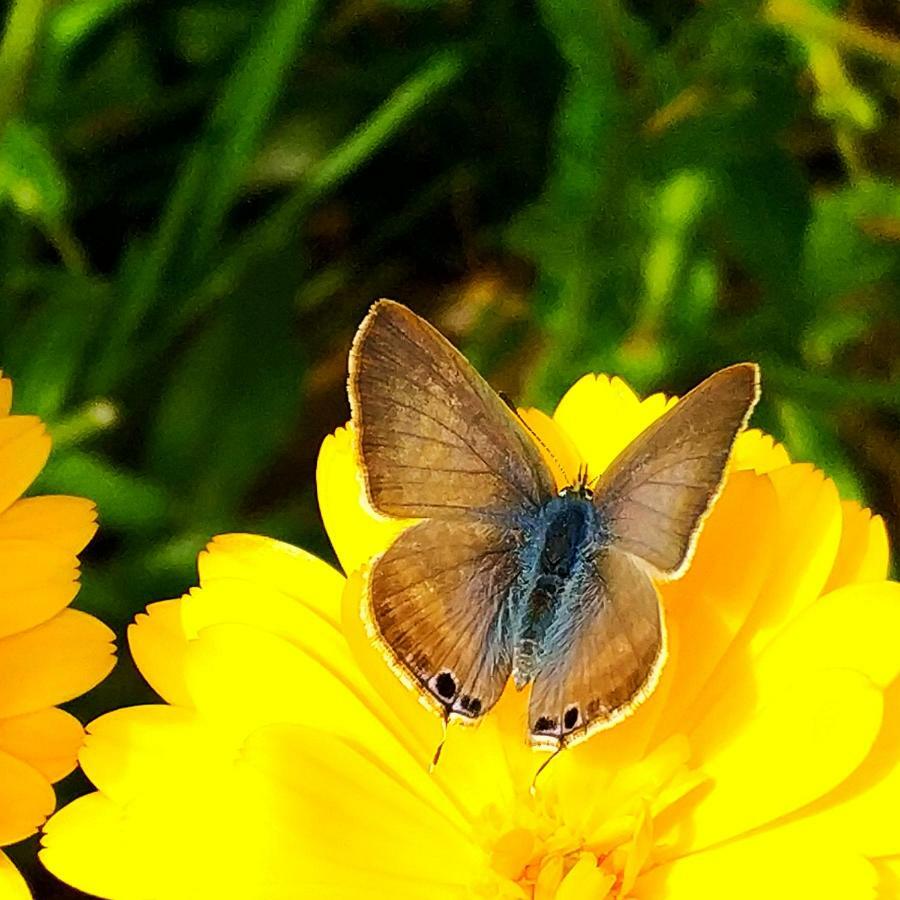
[[288, 760], [48, 653]]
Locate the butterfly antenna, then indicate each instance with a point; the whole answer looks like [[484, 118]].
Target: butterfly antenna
[[512, 406], [533, 789], [440, 746]]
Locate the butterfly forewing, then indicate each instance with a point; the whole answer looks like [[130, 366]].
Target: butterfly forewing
[[435, 440], [608, 659], [438, 603], [654, 494]]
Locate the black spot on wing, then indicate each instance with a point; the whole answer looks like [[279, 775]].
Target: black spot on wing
[[445, 686], [546, 725]]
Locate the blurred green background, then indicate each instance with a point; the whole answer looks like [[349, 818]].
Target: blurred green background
[[200, 199]]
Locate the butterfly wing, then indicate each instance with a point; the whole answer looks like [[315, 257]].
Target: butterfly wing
[[654, 495], [651, 502], [608, 661], [437, 599], [435, 440]]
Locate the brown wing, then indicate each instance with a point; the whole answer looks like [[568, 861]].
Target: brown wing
[[435, 440], [438, 599], [654, 494], [611, 659]]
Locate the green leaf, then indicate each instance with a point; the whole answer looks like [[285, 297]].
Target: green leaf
[[766, 209], [227, 406], [842, 252], [52, 344], [75, 21], [385, 122], [30, 178], [124, 500], [210, 178]]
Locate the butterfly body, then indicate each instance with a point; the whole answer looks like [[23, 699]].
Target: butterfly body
[[503, 576], [556, 558]]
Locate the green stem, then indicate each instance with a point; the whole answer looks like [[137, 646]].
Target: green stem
[[85, 423], [394, 114], [16, 48]]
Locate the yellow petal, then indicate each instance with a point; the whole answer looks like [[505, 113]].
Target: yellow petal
[[242, 679], [806, 533], [589, 407], [398, 702], [759, 452], [602, 805], [271, 586], [27, 799], [555, 445], [585, 880], [25, 563], [12, 884], [809, 531], [549, 878], [291, 813], [333, 789], [5, 395], [155, 750], [233, 602], [24, 448], [54, 662], [356, 531], [888, 878], [864, 807], [158, 645], [854, 628], [38, 580], [712, 601], [48, 740], [863, 551], [67, 523], [613, 751], [486, 764], [293, 572], [86, 845], [779, 864], [769, 761]]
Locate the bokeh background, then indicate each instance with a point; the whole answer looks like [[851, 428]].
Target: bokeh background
[[199, 199]]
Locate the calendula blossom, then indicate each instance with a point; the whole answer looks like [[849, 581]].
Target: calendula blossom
[[48, 652], [288, 761]]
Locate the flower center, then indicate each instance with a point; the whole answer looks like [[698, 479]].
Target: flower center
[[540, 854]]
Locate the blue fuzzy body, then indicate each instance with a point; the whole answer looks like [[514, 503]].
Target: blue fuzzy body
[[557, 557]]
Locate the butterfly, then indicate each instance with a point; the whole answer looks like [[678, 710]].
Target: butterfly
[[504, 576]]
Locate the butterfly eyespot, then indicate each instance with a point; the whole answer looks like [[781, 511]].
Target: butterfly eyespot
[[544, 725], [570, 720], [444, 685], [472, 705]]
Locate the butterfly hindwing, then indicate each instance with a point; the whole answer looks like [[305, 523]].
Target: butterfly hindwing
[[438, 603], [654, 494], [435, 440], [608, 659]]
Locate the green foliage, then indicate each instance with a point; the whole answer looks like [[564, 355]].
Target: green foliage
[[199, 201]]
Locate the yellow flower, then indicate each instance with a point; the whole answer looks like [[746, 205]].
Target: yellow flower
[[288, 761], [48, 653]]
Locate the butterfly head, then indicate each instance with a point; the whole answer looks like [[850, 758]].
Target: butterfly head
[[581, 487]]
